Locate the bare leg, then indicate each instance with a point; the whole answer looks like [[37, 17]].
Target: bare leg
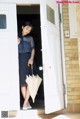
[[27, 95], [23, 91]]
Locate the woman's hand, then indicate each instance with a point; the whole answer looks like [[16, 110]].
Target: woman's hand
[[30, 62], [19, 40]]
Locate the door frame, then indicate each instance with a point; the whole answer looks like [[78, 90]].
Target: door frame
[[62, 50], [63, 57]]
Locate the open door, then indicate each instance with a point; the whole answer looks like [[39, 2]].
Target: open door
[[52, 70], [9, 77]]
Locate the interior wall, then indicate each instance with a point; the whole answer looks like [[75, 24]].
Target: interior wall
[[31, 9]]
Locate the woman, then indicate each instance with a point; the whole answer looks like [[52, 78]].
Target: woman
[[26, 59]]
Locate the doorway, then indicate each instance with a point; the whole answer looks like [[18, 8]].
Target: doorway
[[32, 14]]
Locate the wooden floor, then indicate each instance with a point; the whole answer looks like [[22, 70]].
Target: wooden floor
[[39, 114]]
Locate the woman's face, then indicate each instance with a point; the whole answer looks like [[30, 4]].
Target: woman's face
[[26, 30]]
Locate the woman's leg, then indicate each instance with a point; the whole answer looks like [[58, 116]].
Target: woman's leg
[[23, 91], [26, 95]]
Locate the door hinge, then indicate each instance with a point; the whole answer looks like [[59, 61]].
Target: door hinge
[[60, 18], [64, 89]]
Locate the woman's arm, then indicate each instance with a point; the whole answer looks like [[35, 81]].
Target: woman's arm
[[31, 60], [32, 54]]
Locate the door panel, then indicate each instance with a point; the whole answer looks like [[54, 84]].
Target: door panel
[[9, 76], [52, 70]]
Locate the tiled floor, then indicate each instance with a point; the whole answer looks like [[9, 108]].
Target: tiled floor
[[63, 116]]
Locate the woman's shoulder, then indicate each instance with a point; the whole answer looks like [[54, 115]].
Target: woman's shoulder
[[28, 38], [31, 37]]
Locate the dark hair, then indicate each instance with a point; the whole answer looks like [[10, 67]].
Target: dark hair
[[28, 24], [24, 24]]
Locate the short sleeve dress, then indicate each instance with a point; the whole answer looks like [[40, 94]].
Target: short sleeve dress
[[24, 48]]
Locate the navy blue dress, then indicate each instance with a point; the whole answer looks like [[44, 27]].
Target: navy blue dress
[[25, 47]]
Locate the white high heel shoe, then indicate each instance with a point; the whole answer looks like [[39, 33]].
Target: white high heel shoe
[[26, 107]]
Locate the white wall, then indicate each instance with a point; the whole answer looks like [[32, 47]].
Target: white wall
[[21, 1]]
